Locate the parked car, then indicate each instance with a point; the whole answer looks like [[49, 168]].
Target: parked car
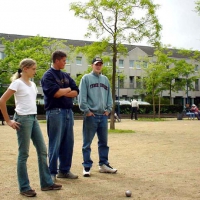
[[143, 103], [122, 102]]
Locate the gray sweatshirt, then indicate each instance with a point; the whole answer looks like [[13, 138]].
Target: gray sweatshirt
[[95, 94]]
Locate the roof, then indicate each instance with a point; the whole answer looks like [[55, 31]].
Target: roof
[[147, 49]]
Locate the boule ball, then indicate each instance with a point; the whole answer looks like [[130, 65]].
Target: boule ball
[[128, 193]]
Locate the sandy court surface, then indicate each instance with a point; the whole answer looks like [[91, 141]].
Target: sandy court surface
[[160, 161]]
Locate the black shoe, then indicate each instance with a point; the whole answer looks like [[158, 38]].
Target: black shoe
[[52, 187], [29, 193]]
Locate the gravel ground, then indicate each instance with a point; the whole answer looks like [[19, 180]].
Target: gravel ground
[[160, 161]]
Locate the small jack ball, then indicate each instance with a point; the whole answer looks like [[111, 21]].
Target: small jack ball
[[128, 193]]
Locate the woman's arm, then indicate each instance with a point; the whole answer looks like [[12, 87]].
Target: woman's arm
[[5, 97]]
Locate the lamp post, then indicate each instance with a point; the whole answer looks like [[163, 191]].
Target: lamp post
[[118, 94], [187, 89]]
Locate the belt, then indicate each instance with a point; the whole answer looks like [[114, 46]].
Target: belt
[[27, 115]]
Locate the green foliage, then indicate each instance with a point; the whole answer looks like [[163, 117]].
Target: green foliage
[[93, 50], [163, 100], [120, 131], [167, 73], [148, 109], [37, 48], [197, 8], [144, 109], [123, 20], [124, 109]]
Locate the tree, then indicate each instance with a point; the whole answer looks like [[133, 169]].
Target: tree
[[167, 73], [37, 48], [117, 22], [153, 81], [197, 8]]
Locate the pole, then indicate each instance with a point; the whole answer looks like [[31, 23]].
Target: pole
[[187, 92], [118, 98]]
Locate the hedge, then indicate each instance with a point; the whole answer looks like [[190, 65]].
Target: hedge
[[124, 109]]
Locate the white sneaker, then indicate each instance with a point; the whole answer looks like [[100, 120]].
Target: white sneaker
[[86, 171], [106, 168]]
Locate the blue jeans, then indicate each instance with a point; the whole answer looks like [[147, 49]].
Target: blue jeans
[[30, 129], [60, 124], [91, 125]]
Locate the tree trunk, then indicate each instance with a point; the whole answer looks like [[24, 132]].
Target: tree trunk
[[112, 121], [159, 106]]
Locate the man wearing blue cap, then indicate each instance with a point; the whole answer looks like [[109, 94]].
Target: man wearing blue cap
[[95, 100]]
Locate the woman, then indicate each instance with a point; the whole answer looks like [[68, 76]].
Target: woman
[[195, 111], [27, 127]]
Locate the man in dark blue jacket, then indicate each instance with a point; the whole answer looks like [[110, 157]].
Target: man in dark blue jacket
[[59, 89]]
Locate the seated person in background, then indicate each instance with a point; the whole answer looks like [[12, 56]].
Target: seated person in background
[[188, 111], [195, 110], [187, 107]]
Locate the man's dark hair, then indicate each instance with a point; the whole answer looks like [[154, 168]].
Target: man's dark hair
[[58, 55]]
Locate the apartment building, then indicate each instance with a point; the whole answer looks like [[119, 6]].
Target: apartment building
[[130, 66]]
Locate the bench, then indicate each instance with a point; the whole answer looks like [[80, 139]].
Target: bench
[[190, 115]]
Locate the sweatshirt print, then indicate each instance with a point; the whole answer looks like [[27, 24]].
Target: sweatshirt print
[[95, 94]]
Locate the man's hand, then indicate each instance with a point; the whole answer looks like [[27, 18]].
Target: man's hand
[[69, 89], [106, 113], [90, 114]]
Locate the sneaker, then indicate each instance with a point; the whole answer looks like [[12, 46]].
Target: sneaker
[[29, 193], [86, 171], [106, 168], [52, 187], [53, 177], [67, 175]]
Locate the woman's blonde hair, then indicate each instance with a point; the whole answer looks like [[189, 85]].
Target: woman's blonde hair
[[27, 62]]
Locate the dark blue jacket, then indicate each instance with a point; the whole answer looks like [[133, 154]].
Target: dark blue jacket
[[52, 81]]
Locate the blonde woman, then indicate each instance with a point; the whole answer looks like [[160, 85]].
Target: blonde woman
[[27, 127]]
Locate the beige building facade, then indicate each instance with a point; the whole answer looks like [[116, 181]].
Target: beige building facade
[[130, 66]]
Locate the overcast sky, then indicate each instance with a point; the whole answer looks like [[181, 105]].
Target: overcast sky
[[52, 18]]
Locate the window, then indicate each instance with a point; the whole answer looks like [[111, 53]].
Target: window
[[138, 82], [131, 63], [178, 83], [121, 83], [106, 64], [131, 81], [67, 61], [2, 55], [197, 84], [138, 65], [121, 63], [79, 60], [145, 64], [196, 68]]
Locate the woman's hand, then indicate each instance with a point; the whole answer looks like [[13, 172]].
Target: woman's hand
[[13, 124]]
